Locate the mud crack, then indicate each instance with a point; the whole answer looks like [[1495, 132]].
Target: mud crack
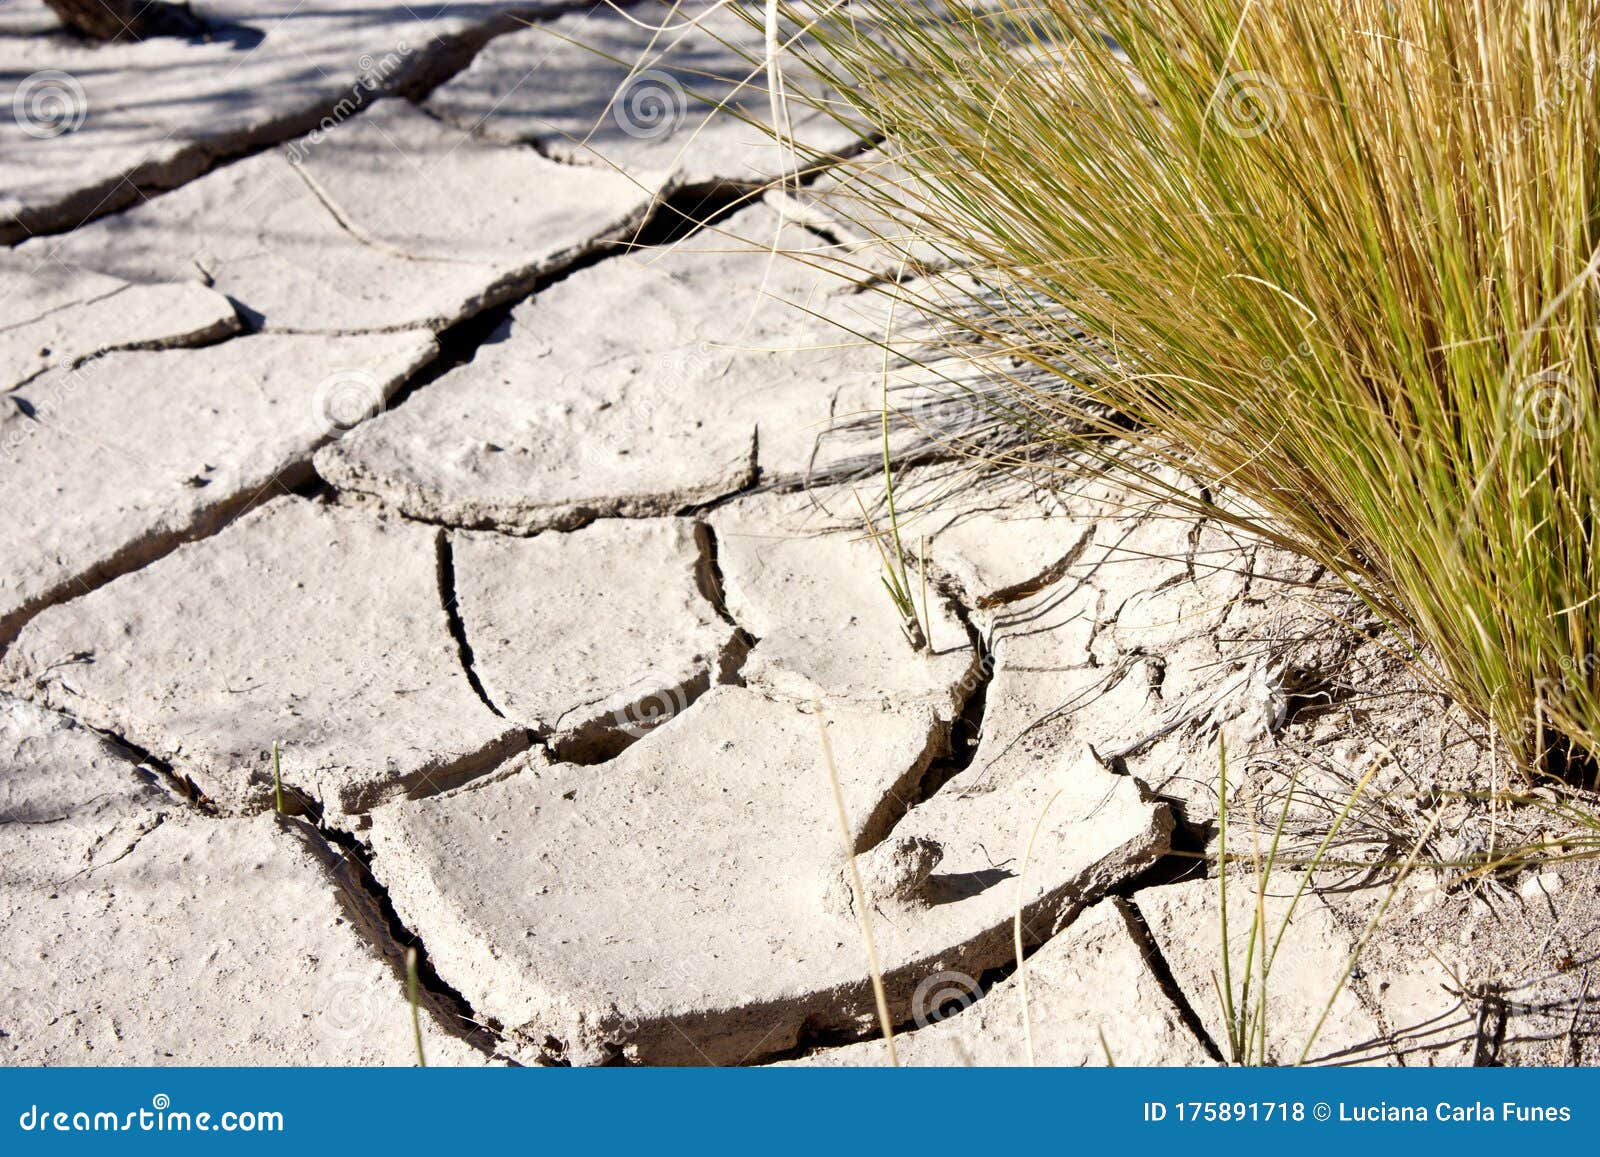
[[348, 863]]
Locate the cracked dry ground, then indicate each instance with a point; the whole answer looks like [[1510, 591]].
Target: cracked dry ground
[[338, 416]]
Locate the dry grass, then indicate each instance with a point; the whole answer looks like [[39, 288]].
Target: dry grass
[[1338, 256]]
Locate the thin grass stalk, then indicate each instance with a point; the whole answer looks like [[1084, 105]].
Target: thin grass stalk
[[880, 997]]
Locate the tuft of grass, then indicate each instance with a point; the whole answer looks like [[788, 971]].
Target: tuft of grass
[[896, 581], [1244, 1006], [1336, 256]]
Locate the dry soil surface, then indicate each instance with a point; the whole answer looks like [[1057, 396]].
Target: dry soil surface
[[419, 395]]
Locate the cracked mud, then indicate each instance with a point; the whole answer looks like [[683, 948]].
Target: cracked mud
[[355, 405]]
